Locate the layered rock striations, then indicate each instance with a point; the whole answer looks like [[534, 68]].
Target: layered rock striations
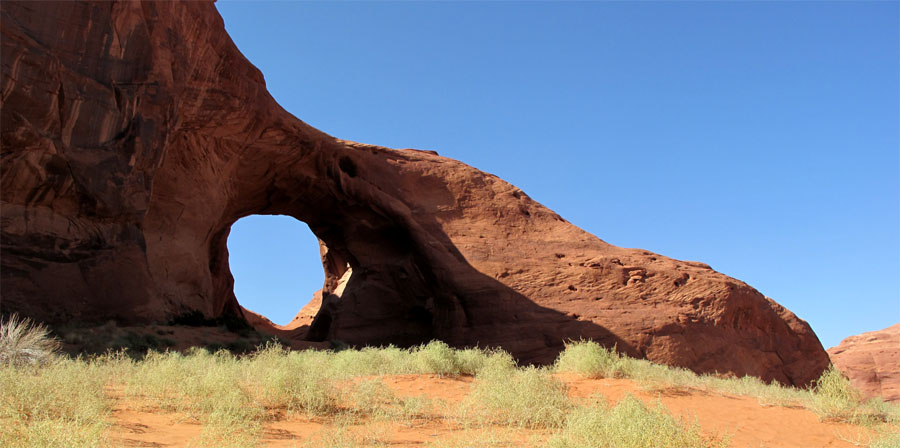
[[872, 362], [134, 134]]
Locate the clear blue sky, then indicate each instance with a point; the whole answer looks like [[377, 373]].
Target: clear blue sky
[[759, 137]]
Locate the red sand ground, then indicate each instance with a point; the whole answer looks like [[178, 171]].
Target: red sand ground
[[749, 423]]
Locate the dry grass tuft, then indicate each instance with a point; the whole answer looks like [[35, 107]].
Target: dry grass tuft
[[58, 404], [630, 424], [527, 398], [23, 342]]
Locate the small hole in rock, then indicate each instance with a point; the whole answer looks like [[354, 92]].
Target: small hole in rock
[[348, 166]]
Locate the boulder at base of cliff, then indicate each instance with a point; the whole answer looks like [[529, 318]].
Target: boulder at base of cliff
[[872, 362]]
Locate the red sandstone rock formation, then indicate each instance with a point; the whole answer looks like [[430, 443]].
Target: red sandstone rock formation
[[134, 134], [872, 362]]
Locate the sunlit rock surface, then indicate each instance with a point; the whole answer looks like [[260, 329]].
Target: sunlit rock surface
[[134, 134]]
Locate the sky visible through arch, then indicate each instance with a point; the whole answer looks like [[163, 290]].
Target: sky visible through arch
[[758, 137], [275, 263]]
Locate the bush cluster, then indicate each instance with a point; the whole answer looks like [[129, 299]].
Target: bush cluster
[[56, 401]]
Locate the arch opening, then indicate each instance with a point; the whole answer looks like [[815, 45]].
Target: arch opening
[[378, 287], [276, 263]]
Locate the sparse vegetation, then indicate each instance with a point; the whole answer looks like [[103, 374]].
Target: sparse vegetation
[[629, 424], [59, 404], [835, 397], [832, 397], [68, 402], [142, 342], [526, 398], [889, 440], [592, 360], [215, 335]]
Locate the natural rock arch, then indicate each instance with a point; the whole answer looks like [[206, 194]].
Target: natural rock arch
[[129, 151]]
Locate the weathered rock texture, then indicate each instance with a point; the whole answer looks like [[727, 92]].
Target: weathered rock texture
[[134, 134], [872, 362]]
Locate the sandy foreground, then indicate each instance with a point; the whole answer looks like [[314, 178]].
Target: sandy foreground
[[748, 422]]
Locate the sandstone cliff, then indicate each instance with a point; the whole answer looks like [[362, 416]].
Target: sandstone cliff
[[872, 362], [134, 134]]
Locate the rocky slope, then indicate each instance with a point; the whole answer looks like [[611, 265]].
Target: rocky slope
[[134, 134], [872, 362]]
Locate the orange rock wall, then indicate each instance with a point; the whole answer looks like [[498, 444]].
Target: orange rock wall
[[872, 362], [134, 134]]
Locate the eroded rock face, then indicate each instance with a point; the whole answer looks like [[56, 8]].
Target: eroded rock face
[[872, 362], [134, 134]]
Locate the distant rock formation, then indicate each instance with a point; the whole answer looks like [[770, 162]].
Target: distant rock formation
[[872, 362], [134, 134]]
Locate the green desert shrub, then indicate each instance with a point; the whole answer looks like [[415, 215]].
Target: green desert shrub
[[23, 342], [769, 394], [301, 390], [156, 378], [294, 381], [371, 397], [59, 404], [471, 361], [592, 360], [655, 376], [210, 387], [630, 424], [437, 358], [880, 411], [833, 385], [62, 402], [410, 409], [369, 361], [528, 397], [889, 440], [228, 426], [834, 397]]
